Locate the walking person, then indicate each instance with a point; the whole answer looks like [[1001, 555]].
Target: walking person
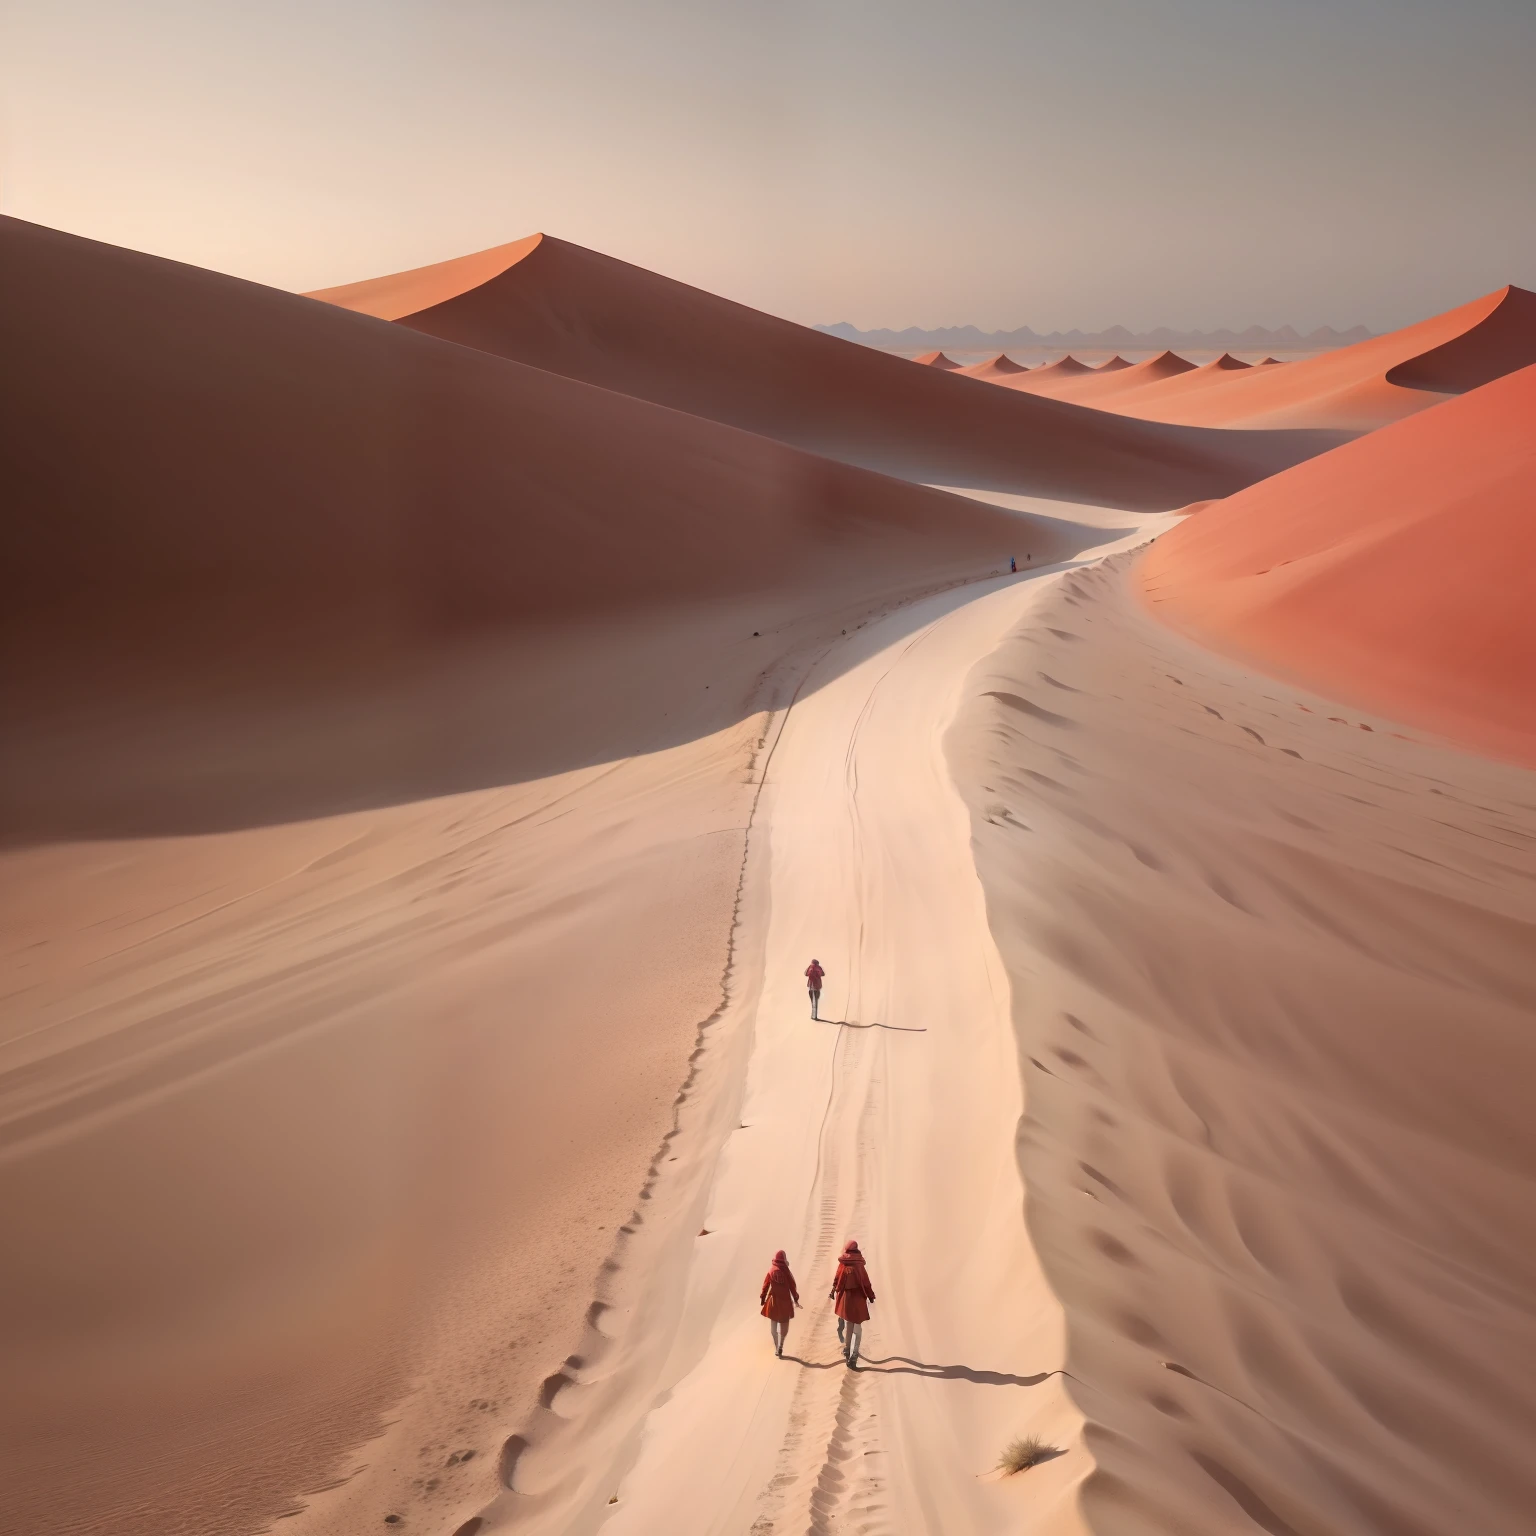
[[778, 1299], [1013, 565], [851, 1294], [813, 979]]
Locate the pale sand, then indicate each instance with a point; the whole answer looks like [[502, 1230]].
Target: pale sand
[[892, 1121], [1273, 982]]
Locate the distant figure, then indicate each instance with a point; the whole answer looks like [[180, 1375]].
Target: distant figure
[[813, 977], [1013, 565], [778, 1300], [852, 1293]]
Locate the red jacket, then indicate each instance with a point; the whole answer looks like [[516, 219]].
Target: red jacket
[[851, 1289], [779, 1291], [813, 975]]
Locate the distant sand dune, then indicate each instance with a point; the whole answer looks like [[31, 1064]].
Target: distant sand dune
[[1366, 385], [1355, 389], [1067, 367], [573, 311], [1000, 367], [1095, 384]]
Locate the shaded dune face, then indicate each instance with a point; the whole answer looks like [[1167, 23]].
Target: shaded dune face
[[216, 488], [1394, 572], [1500, 343], [573, 311], [1273, 990], [1357, 388]]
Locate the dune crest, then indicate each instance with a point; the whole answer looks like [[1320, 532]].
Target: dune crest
[[935, 360], [1063, 368], [1394, 573], [572, 311], [1093, 385], [1502, 341], [406, 293], [1000, 367]]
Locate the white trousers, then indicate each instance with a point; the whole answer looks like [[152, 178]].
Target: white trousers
[[778, 1330]]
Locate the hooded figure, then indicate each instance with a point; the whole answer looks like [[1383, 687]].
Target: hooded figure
[[813, 979], [851, 1294], [779, 1297]]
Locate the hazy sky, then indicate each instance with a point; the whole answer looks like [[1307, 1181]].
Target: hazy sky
[[1041, 162]]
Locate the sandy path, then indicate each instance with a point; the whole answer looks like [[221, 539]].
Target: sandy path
[[894, 1123]]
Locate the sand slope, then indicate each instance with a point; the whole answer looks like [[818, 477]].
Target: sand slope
[[381, 719], [576, 312], [219, 475], [1273, 987], [1394, 572], [1363, 386]]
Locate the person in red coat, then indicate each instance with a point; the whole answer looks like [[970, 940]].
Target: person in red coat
[[852, 1293], [813, 980], [778, 1299]]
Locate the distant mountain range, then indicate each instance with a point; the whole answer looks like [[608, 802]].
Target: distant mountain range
[[966, 338]]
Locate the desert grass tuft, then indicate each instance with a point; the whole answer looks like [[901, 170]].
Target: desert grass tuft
[[1028, 1451]]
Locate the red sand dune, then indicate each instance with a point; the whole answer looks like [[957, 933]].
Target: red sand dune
[[1180, 386], [1394, 572], [1066, 367], [569, 310], [935, 360], [1090, 387], [1000, 367], [1367, 385], [1114, 365], [1166, 365]]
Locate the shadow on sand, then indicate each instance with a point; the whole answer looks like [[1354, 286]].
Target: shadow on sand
[[901, 1029], [902, 1365]]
